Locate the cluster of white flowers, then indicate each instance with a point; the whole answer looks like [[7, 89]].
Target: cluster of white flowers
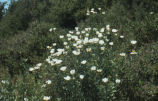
[[51, 29], [95, 11], [76, 43], [31, 69]]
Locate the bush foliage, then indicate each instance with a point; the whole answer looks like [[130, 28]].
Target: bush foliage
[[79, 50]]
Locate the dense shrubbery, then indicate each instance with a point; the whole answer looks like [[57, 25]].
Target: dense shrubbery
[[116, 74]]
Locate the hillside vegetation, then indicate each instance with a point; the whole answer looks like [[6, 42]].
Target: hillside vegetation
[[79, 50]]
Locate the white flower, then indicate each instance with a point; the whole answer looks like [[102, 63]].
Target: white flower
[[78, 33], [68, 39], [72, 72], [117, 80], [85, 40], [105, 80], [48, 82], [133, 42], [67, 47], [36, 67], [67, 78], [46, 98], [54, 44], [84, 62], [102, 30], [107, 40], [65, 43], [93, 68], [50, 29], [71, 32], [101, 42], [83, 32], [121, 36], [76, 52], [87, 34], [80, 46], [114, 30], [76, 28], [61, 36], [25, 99], [31, 69], [58, 61], [99, 8], [87, 13], [52, 51], [68, 35], [100, 35], [63, 68], [103, 12], [39, 64], [151, 12], [99, 70], [54, 29], [88, 49], [122, 54], [81, 76], [92, 9], [108, 27], [102, 48], [48, 47], [4, 81], [111, 43]]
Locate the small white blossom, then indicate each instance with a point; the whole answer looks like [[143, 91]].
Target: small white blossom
[[99, 70], [88, 49], [111, 43], [117, 80], [93, 68], [54, 44], [114, 30], [50, 30], [81, 76], [61, 36], [63, 68], [133, 42], [48, 47], [31, 69], [121, 36], [103, 12], [65, 43], [67, 78], [105, 80], [48, 82], [102, 48], [52, 51], [36, 67], [122, 54], [102, 30], [100, 35], [76, 52], [39, 64], [46, 98], [84, 62], [99, 8], [54, 29], [25, 99], [101, 42], [72, 72]]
